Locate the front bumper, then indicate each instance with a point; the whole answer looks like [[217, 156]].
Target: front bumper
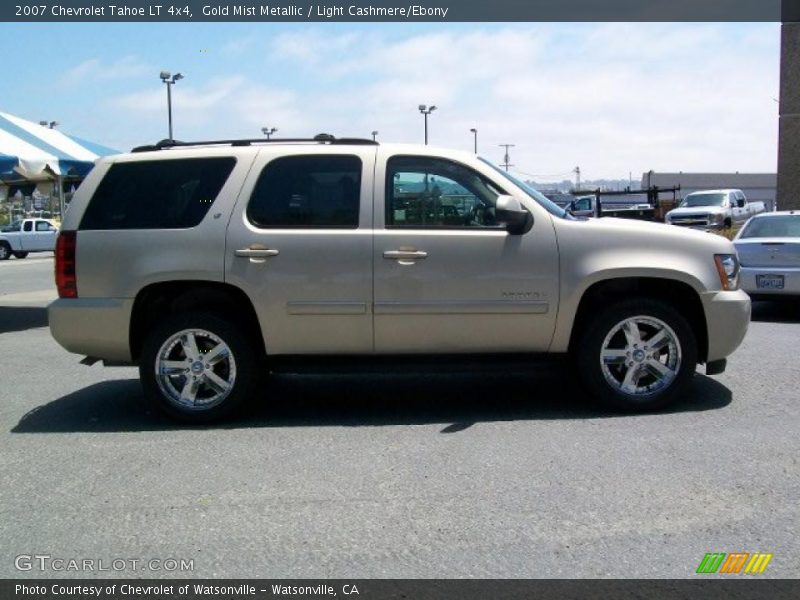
[[727, 319], [791, 281], [700, 225], [96, 327]]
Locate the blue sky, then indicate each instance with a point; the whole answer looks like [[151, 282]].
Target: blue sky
[[609, 97]]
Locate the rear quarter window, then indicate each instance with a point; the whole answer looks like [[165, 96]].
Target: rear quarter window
[[157, 194], [308, 191]]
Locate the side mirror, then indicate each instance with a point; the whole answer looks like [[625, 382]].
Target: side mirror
[[740, 203], [510, 212]]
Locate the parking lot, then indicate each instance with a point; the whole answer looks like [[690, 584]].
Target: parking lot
[[482, 472]]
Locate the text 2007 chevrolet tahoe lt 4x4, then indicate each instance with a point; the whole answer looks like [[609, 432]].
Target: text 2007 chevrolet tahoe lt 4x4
[[198, 261]]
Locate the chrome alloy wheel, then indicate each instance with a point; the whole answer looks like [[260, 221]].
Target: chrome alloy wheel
[[195, 369], [640, 356]]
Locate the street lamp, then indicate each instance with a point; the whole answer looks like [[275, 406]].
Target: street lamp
[[425, 110], [170, 80], [374, 135], [268, 131], [58, 186], [475, 139]]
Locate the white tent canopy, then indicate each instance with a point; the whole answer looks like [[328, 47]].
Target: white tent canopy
[[37, 152]]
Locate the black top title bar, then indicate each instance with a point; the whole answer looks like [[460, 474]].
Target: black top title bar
[[398, 10]]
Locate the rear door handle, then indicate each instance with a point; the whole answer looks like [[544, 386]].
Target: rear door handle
[[405, 254], [256, 252]]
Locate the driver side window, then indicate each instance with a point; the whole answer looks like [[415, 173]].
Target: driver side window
[[433, 193]]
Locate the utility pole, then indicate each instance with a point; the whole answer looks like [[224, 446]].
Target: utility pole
[[577, 171], [475, 139], [506, 158]]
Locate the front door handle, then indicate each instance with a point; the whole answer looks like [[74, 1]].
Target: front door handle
[[405, 254], [256, 252]]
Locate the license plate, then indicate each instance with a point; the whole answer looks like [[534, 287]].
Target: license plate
[[769, 282]]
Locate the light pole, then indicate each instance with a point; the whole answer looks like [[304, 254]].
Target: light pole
[[170, 80], [268, 131], [475, 139], [425, 110], [59, 178], [374, 135]]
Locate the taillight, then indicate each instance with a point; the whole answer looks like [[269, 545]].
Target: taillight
[[66, 280]]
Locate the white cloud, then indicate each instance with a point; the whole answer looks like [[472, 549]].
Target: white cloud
[[608, 97], [95, 69]]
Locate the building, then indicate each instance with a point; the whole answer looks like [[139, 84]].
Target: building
[[756, 186], [789, 129]]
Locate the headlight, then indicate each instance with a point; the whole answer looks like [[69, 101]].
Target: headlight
[[717, 218], [728, 269]]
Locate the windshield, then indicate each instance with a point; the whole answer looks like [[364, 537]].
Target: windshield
[[544, 201], [778, 226], [693, 200]]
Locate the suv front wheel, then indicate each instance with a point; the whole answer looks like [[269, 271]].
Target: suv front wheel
[[197, 367], [636, 355]]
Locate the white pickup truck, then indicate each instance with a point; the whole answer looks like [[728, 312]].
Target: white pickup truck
[[714, 209], [27, 235]]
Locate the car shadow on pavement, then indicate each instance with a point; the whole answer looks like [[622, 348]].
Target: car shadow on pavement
[[777, 311], [21, 318], [455, 400]]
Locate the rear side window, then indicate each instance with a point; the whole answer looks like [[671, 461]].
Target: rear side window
[[307, 192], [157, 194]]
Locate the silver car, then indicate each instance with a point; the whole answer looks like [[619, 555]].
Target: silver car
[[769, 252]]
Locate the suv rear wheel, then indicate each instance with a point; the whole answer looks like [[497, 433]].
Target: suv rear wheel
[[197, 367], [5, 251], [637, 355]]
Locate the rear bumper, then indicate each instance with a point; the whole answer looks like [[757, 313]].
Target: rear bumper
[[791, 281], [727, 319], [97, 327]]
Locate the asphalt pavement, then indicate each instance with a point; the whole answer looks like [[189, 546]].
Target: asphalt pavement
[[480, 472]]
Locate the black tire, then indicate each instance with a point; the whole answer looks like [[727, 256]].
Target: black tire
[[20, 254], [241, 362], [5, 251], [606, 381]]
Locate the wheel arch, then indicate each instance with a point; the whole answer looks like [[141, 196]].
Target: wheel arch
[[157, 300], [676, 292]]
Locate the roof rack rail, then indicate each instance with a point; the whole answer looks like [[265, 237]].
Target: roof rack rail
[[321, 138]]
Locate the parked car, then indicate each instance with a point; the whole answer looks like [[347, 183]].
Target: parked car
[[769, 252], [24, 236], [202, 263], [714, 209]]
